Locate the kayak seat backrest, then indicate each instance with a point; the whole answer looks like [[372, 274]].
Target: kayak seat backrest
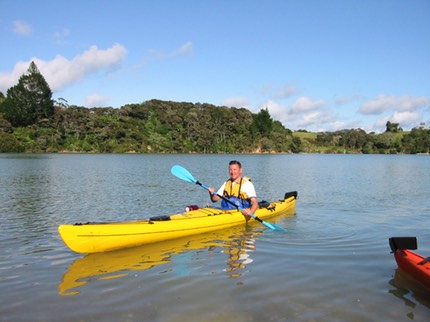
[[159, 218], [263, 204], [291, 194], [403, 243]]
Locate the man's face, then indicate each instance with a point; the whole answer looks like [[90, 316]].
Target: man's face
[[235, 171]]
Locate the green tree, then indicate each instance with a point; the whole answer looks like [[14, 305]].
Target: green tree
[[393, 127], [418, 141], [325, 138], [30, 100], [353, 139], [296, 146], [5, 126], [386, 143], [262, 123], [2, 99], [9, 143]]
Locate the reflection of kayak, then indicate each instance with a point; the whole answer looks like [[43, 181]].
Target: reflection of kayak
[[236, 243], [100, 237], [410, 262], [401, 282]]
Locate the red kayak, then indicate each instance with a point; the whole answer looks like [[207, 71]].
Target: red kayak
[[410, 262]]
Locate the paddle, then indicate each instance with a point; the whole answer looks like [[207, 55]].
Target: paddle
[[183, 174]]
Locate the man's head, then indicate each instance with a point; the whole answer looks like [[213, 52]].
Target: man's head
[[234, 169]]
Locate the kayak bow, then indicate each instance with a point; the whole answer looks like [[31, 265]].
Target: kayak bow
[[410, 262]]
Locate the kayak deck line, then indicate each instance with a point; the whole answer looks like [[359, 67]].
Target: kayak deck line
[[151, 220], [146, 233], [93, 237], [161, 218]]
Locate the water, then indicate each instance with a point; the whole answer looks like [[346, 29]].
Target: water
[[334, 264]]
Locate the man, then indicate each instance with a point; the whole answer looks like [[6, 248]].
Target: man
[[239, 190]]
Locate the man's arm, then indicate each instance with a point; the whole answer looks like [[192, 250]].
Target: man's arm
[[254, 205]]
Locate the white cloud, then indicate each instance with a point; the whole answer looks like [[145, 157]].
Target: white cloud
[[317, 115], [186, 49], [409, 119], [406, 120], [385, 103], [10, 79], [63, 33], [303, 114], [157, 55], [305, 104], [22, 28], [277, 93], [235, 102], [276, 110], [314, 118], [95, 100], [347, 99], [61, 72], [285, 92], [61, 36], [341, 125]]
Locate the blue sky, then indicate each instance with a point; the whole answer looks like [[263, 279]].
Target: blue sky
[[316, 65]]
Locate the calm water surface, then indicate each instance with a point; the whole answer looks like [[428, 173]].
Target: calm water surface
[[334, 264]]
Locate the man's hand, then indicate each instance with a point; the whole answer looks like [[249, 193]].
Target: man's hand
[[247, 212], [213, 194]]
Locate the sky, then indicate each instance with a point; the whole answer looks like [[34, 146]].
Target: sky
[[315, 65]]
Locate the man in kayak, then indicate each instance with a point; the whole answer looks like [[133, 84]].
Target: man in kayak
[[239, 190]]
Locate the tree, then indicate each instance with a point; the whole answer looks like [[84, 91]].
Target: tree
[[9, 143], [2, 99], [353, 139], [418, 141], [262, 123], [393, 127], [5, 126], [30, 100]]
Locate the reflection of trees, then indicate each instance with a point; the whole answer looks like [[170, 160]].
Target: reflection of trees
[[27, 197]]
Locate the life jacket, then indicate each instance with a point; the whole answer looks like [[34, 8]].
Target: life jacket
[[235, 195]]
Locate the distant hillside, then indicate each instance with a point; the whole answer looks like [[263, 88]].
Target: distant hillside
[[153, 126], [159, 126]]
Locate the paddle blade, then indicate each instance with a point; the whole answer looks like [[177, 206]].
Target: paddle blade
[[274, 227], [279, 228], [182, 173]]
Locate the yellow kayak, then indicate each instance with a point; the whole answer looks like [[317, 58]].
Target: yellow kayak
[[101, 237]]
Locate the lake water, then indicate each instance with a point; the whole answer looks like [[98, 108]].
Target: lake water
[[334, 264]]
